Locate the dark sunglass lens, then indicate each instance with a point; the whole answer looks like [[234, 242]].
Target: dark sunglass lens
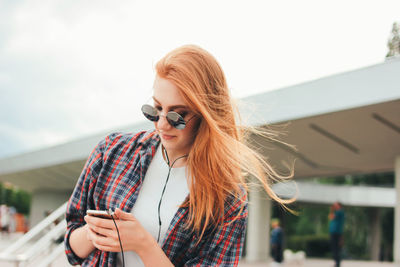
[[176, 120], [150, 112]]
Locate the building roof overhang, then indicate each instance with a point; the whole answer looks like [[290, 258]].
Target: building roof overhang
[[342, 124]]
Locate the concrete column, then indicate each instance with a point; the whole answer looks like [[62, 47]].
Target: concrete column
[[376, 233], [258, 228], [396, 239]]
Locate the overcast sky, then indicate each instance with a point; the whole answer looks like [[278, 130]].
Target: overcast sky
[[73, 68]]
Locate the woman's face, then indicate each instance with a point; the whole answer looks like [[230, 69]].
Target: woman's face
[[167, 98]]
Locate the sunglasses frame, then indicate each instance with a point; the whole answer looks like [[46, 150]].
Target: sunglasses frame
[[173, 118]]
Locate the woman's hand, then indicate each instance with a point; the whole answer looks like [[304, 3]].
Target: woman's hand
[[104, 236]]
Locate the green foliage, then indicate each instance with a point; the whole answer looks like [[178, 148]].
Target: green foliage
[[22, 202], [356, 232], [8, 196], [19, 199], [313, 220], [309, 231], [379, 179], [357, 227], [312, 245], [387, 234]]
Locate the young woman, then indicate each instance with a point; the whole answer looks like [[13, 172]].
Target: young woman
[[179, 192]]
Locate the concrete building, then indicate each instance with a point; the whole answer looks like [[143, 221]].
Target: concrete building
[[347, 123]]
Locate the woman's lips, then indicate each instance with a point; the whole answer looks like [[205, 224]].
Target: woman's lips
[[167, 137]]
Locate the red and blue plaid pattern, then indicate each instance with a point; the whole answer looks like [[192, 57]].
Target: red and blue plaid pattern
[[112, 178]]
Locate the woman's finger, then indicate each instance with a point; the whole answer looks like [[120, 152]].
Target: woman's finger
[[107, 248], [105, 241], [122, 215], [100, 222], [103, 231]]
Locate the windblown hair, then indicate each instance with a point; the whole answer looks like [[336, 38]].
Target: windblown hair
[[219, 156]]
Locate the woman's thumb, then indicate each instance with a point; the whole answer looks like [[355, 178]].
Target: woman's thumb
[[126, 216]]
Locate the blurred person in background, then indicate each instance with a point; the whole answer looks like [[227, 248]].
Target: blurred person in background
[[276, 242], [336, 222], [4, 219], [12, 212]]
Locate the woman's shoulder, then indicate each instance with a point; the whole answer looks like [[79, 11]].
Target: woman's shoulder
[[120, 139], [118, 142], [236, 205]]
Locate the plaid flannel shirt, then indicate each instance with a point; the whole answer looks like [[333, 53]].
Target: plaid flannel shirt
[[112, 178]]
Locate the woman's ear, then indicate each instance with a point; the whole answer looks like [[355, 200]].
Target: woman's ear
[[197, 123]]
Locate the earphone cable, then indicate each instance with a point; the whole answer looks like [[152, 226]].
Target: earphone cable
[[159, 209], [120, 243], [163, 191], [159, 205]]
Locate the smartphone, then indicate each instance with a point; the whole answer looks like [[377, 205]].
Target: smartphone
[[100, 213]]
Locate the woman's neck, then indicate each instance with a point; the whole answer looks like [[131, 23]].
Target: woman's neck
[[175, 158]]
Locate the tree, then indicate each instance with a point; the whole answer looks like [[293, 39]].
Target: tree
[[22, 201], [394, 42], [14, 197]]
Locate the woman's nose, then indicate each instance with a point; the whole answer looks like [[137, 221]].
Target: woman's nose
[[162, 123]]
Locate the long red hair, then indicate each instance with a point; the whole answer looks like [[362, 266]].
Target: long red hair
[[219, 156]]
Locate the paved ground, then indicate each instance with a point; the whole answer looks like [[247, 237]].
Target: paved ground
[[321, 263], [62, 261]]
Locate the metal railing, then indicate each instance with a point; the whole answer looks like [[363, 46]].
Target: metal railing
[[38, 246]]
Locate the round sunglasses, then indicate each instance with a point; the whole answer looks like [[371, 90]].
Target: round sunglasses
[[173, 118]]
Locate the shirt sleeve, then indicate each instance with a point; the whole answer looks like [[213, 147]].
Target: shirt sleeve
[[224, 247], [81, 198]]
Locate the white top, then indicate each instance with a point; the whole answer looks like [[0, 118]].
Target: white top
[[146, 206]]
